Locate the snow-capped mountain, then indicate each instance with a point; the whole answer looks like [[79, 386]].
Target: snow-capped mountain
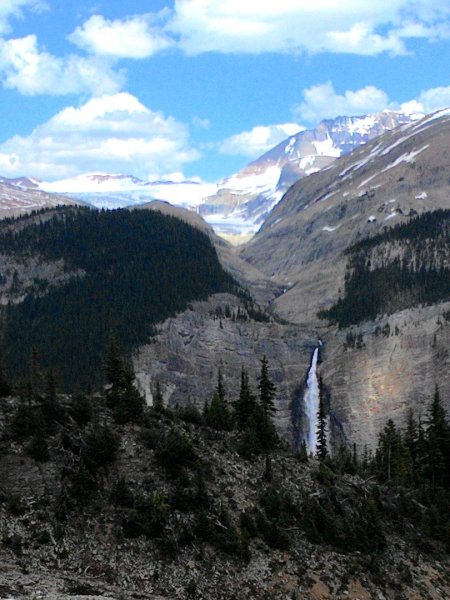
[[243, 201], [104, 190], [21, 195], [237, 206]]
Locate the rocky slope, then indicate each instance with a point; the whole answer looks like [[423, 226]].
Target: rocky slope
[[301, 246], [19, 196], [140, 522], [189, 350]]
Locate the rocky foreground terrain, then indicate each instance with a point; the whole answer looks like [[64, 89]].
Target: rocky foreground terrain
[[169, 508]]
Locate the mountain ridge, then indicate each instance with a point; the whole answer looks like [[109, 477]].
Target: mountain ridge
[[237, 205]]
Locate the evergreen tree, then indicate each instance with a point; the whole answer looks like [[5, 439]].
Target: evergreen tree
[[122, 396], [438, 443], [52, 410], [244, 406], [390, 454], [303, 452], [5, 388], [221, 392], [36, 375], [158, 401], [217, 415], [267, 389]]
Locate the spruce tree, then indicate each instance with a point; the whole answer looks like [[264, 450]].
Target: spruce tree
[[244, 406], [267, 389], [217, 415], [122, 396], [158, 401], [5, 388], [390, 456], [438, 443]]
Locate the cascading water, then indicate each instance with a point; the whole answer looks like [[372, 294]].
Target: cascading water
[[311, 401]]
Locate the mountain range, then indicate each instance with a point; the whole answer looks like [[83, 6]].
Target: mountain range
[[236, 206]]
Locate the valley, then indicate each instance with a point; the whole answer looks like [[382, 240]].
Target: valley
[[343, 291]]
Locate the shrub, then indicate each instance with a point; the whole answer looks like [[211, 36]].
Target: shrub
[[175, 451]]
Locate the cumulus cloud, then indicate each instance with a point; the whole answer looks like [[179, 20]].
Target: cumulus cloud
[[112, 133], [258, 140], [322, 102], [431, 100], [349, 26], [14, 8], [129, 38], [31, 70]]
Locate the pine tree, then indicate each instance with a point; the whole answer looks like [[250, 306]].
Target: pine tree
[[221, 392], [5, 388], [115, 370], [438, 443], [158, 401], [244, 406], [122, 396], [217, 415], [267, 389], [36, 376], [322, 450], [303, 452], [390, 455]]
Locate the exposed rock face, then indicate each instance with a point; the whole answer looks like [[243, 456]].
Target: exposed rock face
[[301, 246], [400, 360], [19, 196], [189, 350]]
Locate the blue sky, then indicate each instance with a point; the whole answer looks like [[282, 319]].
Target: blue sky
[[198, 88]]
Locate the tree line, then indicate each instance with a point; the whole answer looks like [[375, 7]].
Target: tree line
[[130, 270], [402, 267]]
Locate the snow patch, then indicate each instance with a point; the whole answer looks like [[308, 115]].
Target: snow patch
[[408, 158], [326, 148], [366, 181]]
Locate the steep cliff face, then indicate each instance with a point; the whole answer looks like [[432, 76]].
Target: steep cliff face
[[189, 349], [301, 246], [386, 368]]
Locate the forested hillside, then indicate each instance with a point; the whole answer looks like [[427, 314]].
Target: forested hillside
[[101, 496], [402, 267], [131, 270]]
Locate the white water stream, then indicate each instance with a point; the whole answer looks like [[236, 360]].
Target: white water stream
[[311, 401]]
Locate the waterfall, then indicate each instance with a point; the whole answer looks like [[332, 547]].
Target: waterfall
[[311, 401]]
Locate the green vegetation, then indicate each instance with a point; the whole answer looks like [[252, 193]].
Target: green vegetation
[[159, 473], [402, 267], [129, 270]]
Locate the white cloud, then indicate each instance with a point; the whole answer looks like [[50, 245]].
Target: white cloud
[[14, 8], [111, 133], [202, 123], [31, 70], [321, 102], [349, 26], [433, 99], [130, 38], [258, 140]]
